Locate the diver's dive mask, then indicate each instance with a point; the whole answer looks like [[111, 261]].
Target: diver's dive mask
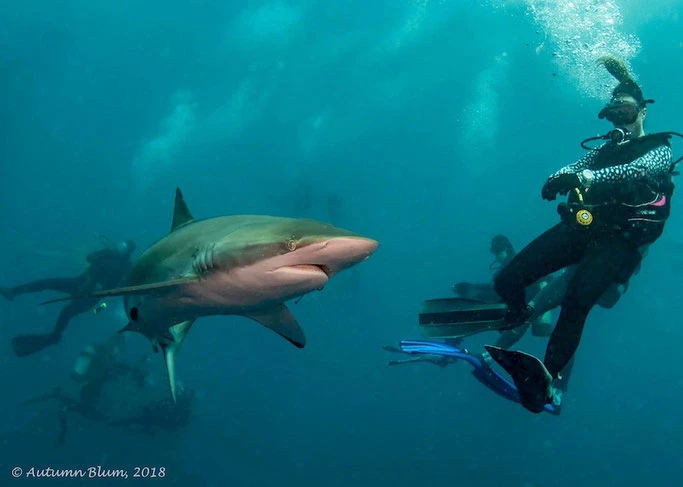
[[620, 112]]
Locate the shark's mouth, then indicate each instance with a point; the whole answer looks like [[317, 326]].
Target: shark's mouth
[[312, 268]]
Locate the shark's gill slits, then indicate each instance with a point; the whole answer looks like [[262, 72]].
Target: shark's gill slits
[[204, 259]]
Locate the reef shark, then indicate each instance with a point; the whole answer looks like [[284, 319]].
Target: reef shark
[[246, 265]]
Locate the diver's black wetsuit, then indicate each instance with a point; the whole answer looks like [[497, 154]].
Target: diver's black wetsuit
[[487, 293], [107, 268], [630, 199]]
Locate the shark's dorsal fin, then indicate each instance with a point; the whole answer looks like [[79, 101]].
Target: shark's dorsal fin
[[281, 321], [171, 349], [181, 213]]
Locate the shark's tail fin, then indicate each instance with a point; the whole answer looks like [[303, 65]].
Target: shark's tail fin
[[170, 345]]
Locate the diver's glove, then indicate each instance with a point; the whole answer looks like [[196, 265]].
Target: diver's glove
[[560, 183]]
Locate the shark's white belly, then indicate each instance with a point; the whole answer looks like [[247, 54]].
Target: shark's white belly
[[238, 291]]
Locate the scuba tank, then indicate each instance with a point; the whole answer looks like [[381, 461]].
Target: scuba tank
[[94, 361], [83, 363]]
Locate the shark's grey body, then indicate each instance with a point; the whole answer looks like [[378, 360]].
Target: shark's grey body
[[247, 265]]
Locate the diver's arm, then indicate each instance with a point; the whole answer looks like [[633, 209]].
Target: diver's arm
[[567, 178], [651, 166], [585, 162]]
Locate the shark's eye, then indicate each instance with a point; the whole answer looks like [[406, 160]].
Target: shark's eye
[[291, 244], [134, 314]]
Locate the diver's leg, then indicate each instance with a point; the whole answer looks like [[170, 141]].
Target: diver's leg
[[616, 290], [71, 310], [562, 383], [63, 425], [556, 248], [552, 294], [68, 285], [66, 405], [611, 296], [548, 298], [24, 345], [597, 270]]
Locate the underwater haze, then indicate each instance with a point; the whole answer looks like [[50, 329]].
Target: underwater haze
[[428, 125]]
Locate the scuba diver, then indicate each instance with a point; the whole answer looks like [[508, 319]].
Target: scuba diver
[[543, 297], [106, 269], [101, 363], [619, 201], [96, 366], [162, 414], [68, 404]]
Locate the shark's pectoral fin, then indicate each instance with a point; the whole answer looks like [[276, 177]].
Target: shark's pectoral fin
[[129, 327], [167, 336], [124, 291], [171, 347], [281, 321]]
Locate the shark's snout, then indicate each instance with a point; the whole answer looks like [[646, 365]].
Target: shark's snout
[[340, 253]]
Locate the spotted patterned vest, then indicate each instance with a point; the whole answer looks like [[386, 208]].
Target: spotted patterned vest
[[632, 200]]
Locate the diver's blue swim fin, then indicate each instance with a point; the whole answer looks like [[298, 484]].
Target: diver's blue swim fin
[[482, 371], [460, 317], [532, 379]]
